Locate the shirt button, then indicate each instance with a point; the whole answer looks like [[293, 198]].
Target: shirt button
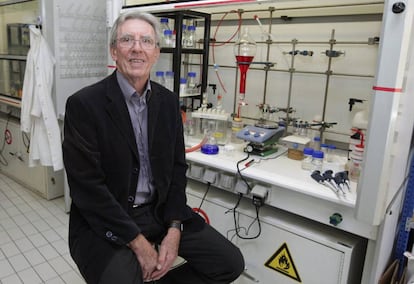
[[109, 234], [131, 198]]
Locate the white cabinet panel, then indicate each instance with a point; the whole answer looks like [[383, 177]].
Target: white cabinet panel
[[296, 250]]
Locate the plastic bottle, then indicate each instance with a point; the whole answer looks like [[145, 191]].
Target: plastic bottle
[[169, 80], [191, 41], [191, 83], [183, 86], [307, 159], [167, 39], [317, 160], [159, 77]]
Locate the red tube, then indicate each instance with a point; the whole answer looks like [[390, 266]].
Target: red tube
[[196, 147]]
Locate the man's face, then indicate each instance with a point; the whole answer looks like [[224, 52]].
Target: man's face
[[134, 55]]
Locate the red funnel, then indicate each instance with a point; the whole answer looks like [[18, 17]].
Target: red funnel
[[244, 64]]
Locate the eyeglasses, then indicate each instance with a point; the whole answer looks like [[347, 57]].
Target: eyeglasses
[[129, 41]]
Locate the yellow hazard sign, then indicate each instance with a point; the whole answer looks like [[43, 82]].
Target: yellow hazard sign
[[282, 262]]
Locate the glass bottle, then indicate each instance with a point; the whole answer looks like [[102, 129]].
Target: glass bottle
[[331, 153], [190, 37], [307, 159], [164, 24], [316, 144], [324, 149], [191, 83], [159, 77], [167, 39], [317, 160], [183, 86], [169, 80]]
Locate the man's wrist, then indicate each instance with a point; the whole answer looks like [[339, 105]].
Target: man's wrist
[[177, 225]]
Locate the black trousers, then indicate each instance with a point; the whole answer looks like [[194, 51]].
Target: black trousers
[[211, 258]]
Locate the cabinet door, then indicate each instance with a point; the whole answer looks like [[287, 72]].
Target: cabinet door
[[280, 254]]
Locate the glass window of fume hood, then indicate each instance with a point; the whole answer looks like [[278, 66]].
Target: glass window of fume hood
[[15, 16]]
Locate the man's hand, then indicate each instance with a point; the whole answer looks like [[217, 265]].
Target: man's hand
[[146, 255], [168, 252]]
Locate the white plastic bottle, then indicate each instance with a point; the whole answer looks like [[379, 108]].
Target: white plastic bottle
[[169, 80]]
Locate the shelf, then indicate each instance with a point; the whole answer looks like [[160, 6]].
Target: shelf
[[11, 101], [179, 17], [183, 50], [13, 57]]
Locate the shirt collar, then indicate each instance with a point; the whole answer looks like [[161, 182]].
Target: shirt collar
[[128, 90]]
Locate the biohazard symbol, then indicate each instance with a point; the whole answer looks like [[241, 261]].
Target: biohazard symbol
[[282, 262]]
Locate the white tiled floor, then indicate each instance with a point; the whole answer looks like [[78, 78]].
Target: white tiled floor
[[33, 238]]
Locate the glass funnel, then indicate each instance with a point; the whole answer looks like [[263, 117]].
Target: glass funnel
[[244, 50]]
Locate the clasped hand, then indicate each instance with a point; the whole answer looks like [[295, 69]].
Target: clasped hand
[[155, 264]]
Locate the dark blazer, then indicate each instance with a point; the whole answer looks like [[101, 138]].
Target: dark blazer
[[102, 165]]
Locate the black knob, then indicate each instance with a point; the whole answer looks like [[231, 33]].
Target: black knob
[[398, 7]]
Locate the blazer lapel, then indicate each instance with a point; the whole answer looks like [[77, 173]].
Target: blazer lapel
[[153, 104], [118, 111]]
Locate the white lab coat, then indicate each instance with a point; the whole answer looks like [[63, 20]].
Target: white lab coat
[[38, 116]]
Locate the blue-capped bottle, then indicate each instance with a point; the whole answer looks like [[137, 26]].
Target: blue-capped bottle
[[307, 159], [317, 160], [191, 40], [159, 77]]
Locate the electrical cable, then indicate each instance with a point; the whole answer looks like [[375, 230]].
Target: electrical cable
[[235, 218], [26, 141], [204, 196], [3, 160]]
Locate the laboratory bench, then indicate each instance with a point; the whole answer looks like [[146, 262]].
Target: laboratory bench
[[288, 186]]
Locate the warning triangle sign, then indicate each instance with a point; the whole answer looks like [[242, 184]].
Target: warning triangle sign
[[282, 262]]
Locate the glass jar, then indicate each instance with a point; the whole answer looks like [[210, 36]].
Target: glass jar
[[307, 159], [316, 143], [183, 86], [324, 149], [159, 77], [190, 37], [355, 169], [169, 80], [236, 126], [191, 83], [331, 155], [317, 160], [168, 39]]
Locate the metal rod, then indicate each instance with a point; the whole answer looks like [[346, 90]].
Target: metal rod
[[293, 71], [292, 68], [328, 76], [314, 7]]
